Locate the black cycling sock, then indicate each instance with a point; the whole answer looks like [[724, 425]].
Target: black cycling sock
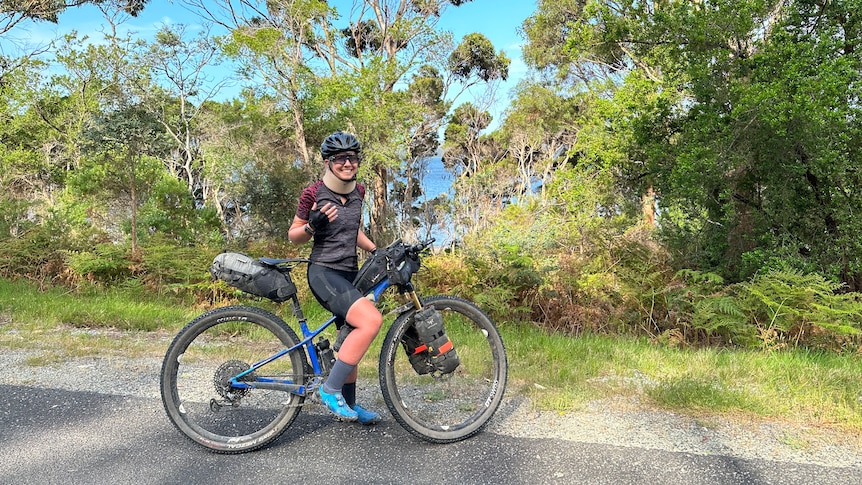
[[348, 390], [337, 376]]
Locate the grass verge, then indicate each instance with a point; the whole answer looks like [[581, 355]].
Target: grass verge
[[811, 388], [556, 372]]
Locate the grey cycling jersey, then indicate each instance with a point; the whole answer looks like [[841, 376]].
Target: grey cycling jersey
[[334, 244]]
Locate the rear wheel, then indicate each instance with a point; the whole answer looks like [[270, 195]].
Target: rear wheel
[[448, 407], [196, 379]]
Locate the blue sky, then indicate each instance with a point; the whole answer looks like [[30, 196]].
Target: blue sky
[[498, 20]]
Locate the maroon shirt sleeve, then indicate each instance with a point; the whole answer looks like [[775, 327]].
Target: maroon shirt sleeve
[[306, 201]]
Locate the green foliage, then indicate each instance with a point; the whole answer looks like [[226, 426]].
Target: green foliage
[[739, 116], [49, 10], [501, 268], [624, 283], [552, 21], [775, 309], [36, 251], [106, 263], [167, 267], [789, 308], [475, 57], [703, 309], [163, 267], [170, 212], [13, 216], [271, 196]]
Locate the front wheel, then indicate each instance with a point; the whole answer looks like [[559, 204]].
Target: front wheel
[[444, 408], [201, 361]]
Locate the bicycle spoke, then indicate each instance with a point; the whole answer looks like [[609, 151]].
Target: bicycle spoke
[[196, 379], [454, 406]]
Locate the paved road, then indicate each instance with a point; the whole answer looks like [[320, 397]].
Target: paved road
[[50, 436]]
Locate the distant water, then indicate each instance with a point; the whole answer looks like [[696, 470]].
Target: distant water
[[437, 179]]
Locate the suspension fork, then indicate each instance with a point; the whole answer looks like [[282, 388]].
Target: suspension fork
[[411, 294]]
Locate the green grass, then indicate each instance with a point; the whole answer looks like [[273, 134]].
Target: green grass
[[102, 309], [557, 372], [563, 373], [58, 321]]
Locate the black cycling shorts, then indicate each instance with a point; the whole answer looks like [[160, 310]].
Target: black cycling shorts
[[333, 289]]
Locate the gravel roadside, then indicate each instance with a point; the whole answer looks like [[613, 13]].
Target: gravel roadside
[[615, 422]]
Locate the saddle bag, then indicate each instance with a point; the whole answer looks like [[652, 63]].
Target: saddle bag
[[252, 276]]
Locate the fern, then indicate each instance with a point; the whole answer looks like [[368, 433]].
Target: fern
[[720, 314], [789, 302], [703, 278]]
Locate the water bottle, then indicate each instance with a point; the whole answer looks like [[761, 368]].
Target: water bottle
[[325, 354]]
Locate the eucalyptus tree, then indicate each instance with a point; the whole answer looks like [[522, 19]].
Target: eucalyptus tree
[[105, 135], [587, 51], [126, 145], [24, 175], [407, 37], [49, 103], [182, 68], [472, 157], [351, 74], [426, 90], [12, 12], [540, 127]]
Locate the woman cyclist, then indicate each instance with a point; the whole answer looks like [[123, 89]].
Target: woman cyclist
[[330, 213]]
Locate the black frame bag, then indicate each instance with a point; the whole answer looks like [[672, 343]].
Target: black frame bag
[[373, 271], [393, 261], [252, 276]]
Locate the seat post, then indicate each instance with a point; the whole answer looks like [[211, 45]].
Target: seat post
[[296, 308]]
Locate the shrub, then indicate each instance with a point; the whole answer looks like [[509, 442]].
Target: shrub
[[39, 255], [107, 263], [705, 312], [789, 307]]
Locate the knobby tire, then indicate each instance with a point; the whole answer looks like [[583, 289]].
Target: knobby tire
[[452, 407], [203, 357]]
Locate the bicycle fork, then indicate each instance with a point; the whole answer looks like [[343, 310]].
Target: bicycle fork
[[415, 299]]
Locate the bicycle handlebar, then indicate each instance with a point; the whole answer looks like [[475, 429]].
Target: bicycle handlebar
[[413, 249], [418, 248]]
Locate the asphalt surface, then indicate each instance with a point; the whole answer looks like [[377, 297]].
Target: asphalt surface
[[50, 436]]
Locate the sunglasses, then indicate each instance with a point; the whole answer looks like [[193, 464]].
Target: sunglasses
[[342, 159]]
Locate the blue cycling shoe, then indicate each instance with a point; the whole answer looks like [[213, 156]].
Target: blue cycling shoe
[[365, 416], [335, 403]]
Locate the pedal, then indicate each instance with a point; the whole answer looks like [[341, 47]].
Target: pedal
[[311, 389]]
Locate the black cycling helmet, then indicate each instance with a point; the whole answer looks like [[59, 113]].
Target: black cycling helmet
[[339, 142]]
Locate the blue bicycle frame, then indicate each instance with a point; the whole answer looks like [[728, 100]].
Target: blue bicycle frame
[[308, 335]]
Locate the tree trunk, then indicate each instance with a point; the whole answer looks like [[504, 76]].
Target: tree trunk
[[379, 233], [648, 206]]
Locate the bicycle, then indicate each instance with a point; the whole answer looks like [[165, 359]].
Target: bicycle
[[235, 378]]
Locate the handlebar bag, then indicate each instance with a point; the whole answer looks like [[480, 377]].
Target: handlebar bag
[[252, 276]]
